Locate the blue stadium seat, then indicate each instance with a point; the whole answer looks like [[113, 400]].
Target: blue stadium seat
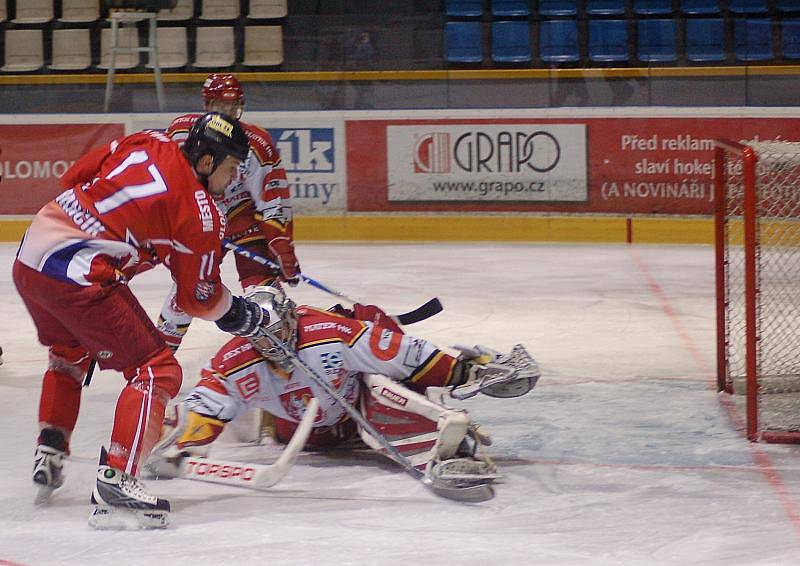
[[464, 8], [608, 40], [752, 39], [558, 7], [558, 41], [511, 42], [652, 7], [784, 6], [462, 42], [700, 7], [510, 8], [748, 6], [705, 40], [656, 41], [605, 7], [790, 38]]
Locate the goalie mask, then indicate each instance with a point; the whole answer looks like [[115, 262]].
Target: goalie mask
[[282, 324]]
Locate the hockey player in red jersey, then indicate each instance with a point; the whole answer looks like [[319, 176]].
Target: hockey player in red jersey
[[256, 204], [130, 205], [368, 360]]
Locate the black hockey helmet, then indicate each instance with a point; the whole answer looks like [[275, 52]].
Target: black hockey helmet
[[218, 135]]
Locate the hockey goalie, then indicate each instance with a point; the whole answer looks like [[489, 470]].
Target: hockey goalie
[[397, 382]]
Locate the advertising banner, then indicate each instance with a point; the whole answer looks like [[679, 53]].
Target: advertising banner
[[34, 156], [502, 163], [644, 164], [312, 153]]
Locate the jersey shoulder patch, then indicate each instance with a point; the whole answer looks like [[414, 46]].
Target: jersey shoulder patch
[[261, 144], [318, 327], [234, 356], [182, 124]]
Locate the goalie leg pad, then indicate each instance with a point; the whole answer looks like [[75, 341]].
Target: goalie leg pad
[[422, 430]]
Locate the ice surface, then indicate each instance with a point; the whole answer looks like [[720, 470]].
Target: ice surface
[[622, 455]]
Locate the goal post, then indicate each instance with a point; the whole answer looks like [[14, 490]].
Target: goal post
[[757, 255]]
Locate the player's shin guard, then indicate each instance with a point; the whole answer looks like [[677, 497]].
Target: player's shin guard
[[140, 411], [60, 399]]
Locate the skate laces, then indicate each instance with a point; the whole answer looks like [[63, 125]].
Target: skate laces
[[132, 486], [48, 457]]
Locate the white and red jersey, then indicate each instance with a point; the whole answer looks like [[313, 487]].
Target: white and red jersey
[[131, 204], [337, 348], [261, 189]]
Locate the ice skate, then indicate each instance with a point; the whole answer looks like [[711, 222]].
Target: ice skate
[[121, 502], [48, 464]]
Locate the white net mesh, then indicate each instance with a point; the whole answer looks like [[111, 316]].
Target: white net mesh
[[777, 276]]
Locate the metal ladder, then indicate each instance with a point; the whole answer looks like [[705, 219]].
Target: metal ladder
[[152, 48]]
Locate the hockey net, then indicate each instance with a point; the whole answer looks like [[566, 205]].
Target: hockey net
[[757, 233]]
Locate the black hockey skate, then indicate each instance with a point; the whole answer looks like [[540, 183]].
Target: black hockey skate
[[119, 497], [48, 463]]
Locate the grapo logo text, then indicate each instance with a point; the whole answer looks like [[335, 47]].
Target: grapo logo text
[[481, 152]]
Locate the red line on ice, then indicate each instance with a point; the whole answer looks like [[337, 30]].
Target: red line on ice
[[761, 458]]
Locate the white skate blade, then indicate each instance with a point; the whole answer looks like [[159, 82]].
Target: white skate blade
[[107, 518], [43, 494]]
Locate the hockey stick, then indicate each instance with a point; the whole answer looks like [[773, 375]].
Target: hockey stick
[[89, 372], [432, 307], [467, 494], [252, 476]]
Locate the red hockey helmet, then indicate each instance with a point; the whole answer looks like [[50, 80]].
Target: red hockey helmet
[[220, 86], [225, 90]]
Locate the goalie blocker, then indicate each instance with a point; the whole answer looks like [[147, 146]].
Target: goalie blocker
[[394, 378]]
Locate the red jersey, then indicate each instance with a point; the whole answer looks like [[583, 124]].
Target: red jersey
[[132, 204], [261, 189]]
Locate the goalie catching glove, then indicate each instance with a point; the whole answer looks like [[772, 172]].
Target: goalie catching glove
[[482, 370]]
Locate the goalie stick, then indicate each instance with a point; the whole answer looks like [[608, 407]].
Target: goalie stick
[[252, 476], [427, 310], [467, 494]]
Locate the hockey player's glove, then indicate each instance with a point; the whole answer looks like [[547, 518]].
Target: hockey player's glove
[[371, 313], [244, 318], [282, 250]]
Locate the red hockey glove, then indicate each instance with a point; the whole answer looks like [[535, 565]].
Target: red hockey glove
[[376, 315], [282, 250]]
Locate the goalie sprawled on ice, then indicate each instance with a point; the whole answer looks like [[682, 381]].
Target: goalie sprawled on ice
[[397, 381]]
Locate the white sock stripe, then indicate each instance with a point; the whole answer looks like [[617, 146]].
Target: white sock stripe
[[144, 413]]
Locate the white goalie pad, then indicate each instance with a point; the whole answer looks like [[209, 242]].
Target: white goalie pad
[[420, 429]]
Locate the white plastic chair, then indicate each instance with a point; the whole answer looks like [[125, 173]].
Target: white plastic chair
[[71, 50], [214, 47], [267, 9], [263, 46], [79, 11], [219, 10], [129, 38], [24, 50], [183, 10], [172, 48], [34, 12]]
